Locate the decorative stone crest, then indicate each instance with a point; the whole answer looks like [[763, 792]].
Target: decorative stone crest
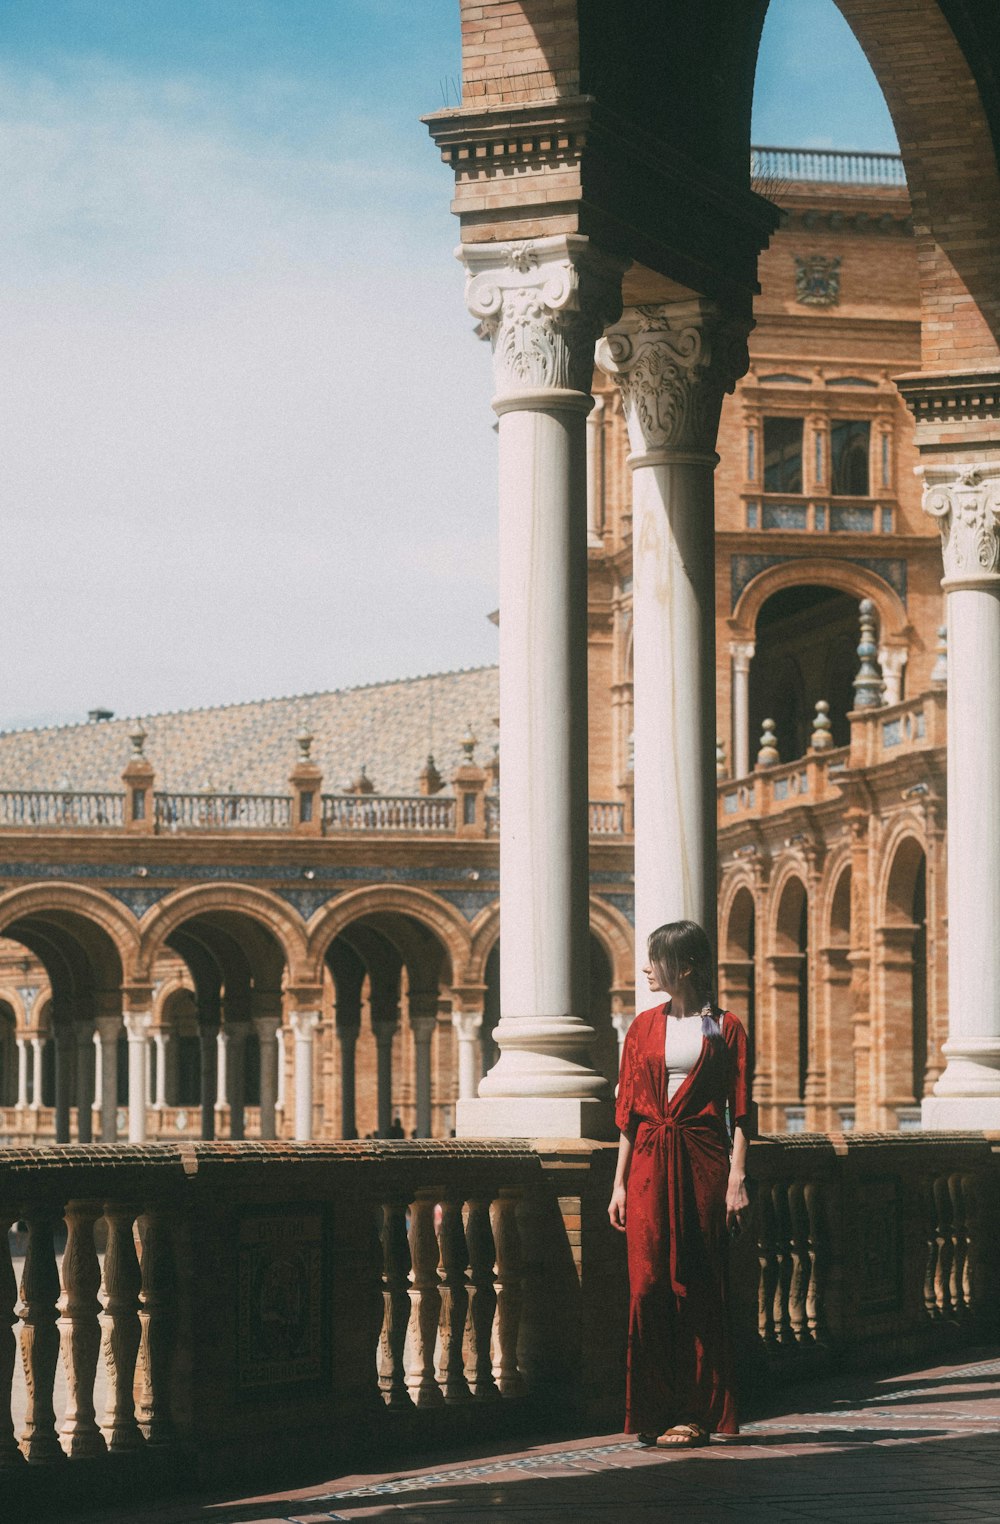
[[543, 303], [817, 280], [674, 363], [966, 501]]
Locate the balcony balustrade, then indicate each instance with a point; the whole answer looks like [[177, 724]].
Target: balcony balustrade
[[390, 813], [231, 1302], [827, 166], [60, 807], [223, 812]]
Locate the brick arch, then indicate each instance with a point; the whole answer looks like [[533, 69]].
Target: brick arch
[[260, 905], [607, 924], [732, 887], [822, 571], [9, 996], [85, 908], [901, 851], [837, 864], [434, 914]]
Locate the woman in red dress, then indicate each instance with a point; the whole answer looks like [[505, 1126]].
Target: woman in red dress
[[677, 1191]]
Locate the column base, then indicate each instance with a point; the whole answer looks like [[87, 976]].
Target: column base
[[960, 1113], [519, 1116]]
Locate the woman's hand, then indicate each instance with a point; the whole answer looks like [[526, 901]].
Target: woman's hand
[[616, 1208], [737, 1202]]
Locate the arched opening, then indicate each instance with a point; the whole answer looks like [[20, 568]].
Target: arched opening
[[837, 1107], [806, 650], [395, 1063], [789, 972], [902, 945], [737, 966]]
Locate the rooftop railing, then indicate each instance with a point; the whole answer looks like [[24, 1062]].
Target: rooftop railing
[[827, 166], [428, 813], [60, 807], [223, 812]]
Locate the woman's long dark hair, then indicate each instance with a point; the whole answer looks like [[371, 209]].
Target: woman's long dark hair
[[681, 949]]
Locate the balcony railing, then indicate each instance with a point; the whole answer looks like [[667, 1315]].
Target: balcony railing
[[60, 807], [224, 1300], [223, 812], [429, 814], [827, 166]]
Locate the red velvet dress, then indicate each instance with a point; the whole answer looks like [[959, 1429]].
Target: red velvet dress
[[679, 1363]]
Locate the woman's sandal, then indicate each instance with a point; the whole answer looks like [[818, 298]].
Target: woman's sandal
[[683, 1436], [649, 1440]]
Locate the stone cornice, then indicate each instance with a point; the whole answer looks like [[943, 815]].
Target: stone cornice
[[965, 499], [970, 395]]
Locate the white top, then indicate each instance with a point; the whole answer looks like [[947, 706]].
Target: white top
[[682, 1049]]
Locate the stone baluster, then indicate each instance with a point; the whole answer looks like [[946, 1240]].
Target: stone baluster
[[40, 1339], [157, 1296], [942, 1230], [80, 1329], [481, 1253], [674, 363], [396, 1290], [973, 1248], [10, 1454], [931, 1261], [120, 1321], [783, 1330], [959, 1248], [868, 685], [767, 1258], [768, 754], [798, 1291], [543, 303], [816, 1294], [425, 1305], [508, 1285], [84, 1081], [454, 1304]]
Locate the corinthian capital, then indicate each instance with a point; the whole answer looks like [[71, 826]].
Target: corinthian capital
[[543, 303], [674, 364], [966, 501]]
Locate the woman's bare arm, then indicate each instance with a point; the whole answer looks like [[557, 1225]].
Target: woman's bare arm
[[616, 1208], [737, 1199]]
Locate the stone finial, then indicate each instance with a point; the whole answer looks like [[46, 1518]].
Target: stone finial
[[939, 672], [720, 759], [430, 780], [304, 741], [468, 744], [138, 739], [768, 755], [868, 685], [362, 783], [822, 734]]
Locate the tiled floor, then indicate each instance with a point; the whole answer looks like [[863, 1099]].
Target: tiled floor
[[924, 1447]]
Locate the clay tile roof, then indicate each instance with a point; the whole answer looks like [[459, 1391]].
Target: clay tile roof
[[250, 748]]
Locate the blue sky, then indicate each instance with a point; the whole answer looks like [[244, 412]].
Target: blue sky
[[245, 437]]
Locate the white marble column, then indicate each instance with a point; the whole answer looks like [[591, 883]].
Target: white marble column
[[595, 475], [543, 304], [468, 1025], [22, 1073], [97, 1110], [161, 1042], [303, 1024], [966, 501], [266, 1028], [282, 1068], [85, 1035], [674, 363], [742, 654], [137, 1025], [37, 1048]]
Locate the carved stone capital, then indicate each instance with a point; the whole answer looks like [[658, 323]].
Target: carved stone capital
[[467, 1025], [674, 364], [543, 302], [742, 652], [966, 502]]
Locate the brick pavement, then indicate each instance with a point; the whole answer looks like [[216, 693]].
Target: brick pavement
[[919, 1447]]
